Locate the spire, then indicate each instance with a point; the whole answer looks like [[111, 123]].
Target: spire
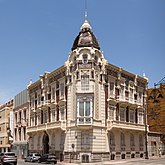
[[86, 13], [86, 24]]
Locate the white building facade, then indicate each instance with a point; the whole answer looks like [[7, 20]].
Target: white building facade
[[88, 110]]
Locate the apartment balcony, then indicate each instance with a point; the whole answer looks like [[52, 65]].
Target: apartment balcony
[[125, 99], [47, 126], [85, 88], [41, 104], [125, 125], [84, 121]]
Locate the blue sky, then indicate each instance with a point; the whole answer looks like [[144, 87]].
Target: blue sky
[[37, 35]]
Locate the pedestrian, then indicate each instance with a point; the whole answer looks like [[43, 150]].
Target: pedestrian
[[159, 150]]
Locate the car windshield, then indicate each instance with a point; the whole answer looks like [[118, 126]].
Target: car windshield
[[10, 154], [37, 155], [52, 156]]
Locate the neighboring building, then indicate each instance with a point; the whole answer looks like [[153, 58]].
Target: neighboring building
[[88, 110], [21, 112], [5, 130], [156, 116]]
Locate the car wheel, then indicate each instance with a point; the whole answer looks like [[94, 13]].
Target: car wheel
[[39, 161], [31, 160]]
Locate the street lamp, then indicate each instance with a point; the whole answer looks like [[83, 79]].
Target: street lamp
[[146, 134]]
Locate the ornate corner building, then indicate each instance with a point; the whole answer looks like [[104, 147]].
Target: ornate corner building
[[87, 110]]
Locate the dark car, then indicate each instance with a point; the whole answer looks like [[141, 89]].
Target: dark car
[[48, 158], [7, 158]]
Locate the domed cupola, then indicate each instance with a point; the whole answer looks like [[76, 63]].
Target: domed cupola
[[86, 38]]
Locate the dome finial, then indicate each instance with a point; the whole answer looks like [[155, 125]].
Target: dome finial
[[86, 24], [86, 13]]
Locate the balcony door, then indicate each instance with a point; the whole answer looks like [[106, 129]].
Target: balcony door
[[84, 109]]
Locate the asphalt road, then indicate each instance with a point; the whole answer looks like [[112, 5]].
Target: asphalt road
[[160, 161]]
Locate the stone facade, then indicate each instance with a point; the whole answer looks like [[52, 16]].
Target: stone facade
[[156, 118], [5, 126], [88, 110], [21, 113]]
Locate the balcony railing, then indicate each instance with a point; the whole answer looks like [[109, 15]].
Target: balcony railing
[[125, 125], [46, 126], [84, 120], [123, 98]]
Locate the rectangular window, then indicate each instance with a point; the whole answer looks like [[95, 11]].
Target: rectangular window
[[85, 82], [32, 102], [53, 114], [24, 115], [39, 99], [84, 138], [122, 91], [122, 114], [16, 120], [62, 90], [132, 114], [53, 93], [141, 115], [112, 88], [84, 108], [111, 112], [24, 133], [38, 118], [81, 108], [62, 113], [45, 117]]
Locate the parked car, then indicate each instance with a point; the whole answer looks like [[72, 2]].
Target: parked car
[[8, 157], [32, 157], [48, 158]]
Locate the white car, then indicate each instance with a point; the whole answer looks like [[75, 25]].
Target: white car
[[8, 157], [32, 157]]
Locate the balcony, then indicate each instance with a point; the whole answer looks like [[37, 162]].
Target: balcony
[[124, 99], [84, 120], [125, 125], [43, 103], [46, 126], [85, 88]]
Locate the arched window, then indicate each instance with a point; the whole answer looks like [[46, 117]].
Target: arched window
[[85, 58], [122, 139]]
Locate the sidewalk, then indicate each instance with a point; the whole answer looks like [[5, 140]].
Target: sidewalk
[[121, 161]]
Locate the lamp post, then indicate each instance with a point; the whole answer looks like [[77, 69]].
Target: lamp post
[[146, 134]]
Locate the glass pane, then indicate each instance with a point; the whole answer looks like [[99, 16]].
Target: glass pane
[[81, 108], [85, 82], [87, 108]]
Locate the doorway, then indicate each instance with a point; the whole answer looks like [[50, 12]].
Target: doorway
[[85, 158], [45, 142]]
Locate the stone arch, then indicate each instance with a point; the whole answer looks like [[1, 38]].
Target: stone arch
[[45, 143]]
